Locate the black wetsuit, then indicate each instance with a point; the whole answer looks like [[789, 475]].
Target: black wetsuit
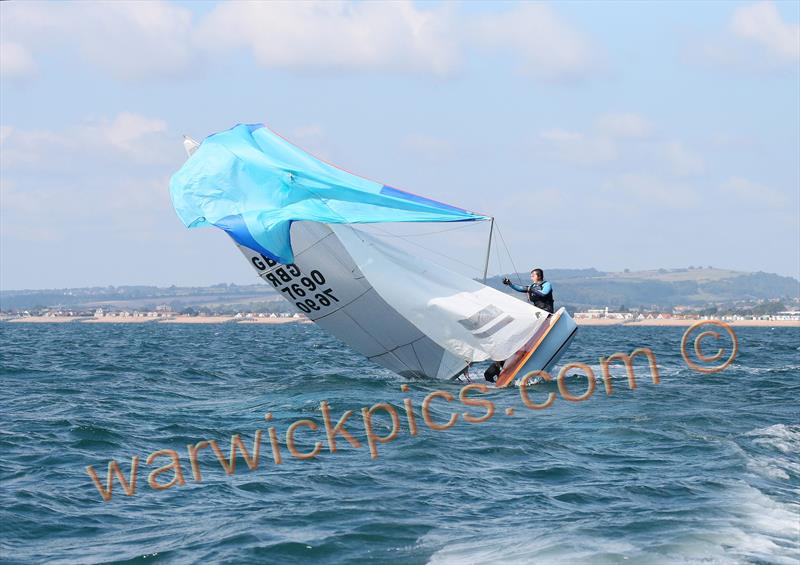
[[540, 294]]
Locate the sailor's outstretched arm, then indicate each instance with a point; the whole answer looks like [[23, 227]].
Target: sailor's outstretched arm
[[518, 287]]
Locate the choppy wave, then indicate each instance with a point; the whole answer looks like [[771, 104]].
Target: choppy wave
[[695, 469]]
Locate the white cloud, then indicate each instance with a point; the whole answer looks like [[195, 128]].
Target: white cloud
[[549, 47], [47, 209], [21, 148], [15, 61], [103, 175], [128, 40], [129, 136], [5, 131], [624, 125], [761, 24], [599, 144], [336, 35], [644, 189], [156, 39], [623, 138], [126, 131], [752, 193], [683, 162], [756, 39], [579, 148]]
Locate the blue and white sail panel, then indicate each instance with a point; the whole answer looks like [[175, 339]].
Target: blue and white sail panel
[[253, 184]]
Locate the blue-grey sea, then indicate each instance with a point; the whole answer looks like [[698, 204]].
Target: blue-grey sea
[[700, 468]]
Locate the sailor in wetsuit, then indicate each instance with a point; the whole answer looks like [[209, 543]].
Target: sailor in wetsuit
[[540, 293]]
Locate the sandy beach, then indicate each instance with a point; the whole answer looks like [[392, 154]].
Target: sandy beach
[[120, 320]]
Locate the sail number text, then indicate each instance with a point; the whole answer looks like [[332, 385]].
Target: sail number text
[[306, 291]]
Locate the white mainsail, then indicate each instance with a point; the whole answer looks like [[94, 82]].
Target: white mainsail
[[471, 320], [403, 313]]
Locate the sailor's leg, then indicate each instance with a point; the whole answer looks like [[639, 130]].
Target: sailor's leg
[[494, 369]]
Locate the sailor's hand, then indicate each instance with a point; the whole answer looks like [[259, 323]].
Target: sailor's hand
[[506, 281]]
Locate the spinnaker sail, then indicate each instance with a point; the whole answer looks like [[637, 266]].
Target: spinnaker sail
[[293, 217], [253, 184]]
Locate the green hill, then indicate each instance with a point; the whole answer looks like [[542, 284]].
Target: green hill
[[577, 288], [663, 287]]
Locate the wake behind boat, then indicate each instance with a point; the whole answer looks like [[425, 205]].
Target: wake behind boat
[[293, 217]]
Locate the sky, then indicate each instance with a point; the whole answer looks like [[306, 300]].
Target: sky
[[611, 135]]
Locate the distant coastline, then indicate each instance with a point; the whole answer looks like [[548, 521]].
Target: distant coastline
[[159, 320], [304, 320], [686, 323]]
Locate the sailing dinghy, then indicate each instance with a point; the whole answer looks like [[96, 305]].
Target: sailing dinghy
[[293, 218]]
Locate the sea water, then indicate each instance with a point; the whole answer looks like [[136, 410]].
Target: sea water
[[699, 468]]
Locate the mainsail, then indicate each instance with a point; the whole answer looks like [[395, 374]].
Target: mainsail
[[293, 218]]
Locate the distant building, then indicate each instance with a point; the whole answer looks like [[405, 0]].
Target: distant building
[[787, 315]]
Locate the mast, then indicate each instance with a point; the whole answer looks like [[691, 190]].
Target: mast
[[488, 251]]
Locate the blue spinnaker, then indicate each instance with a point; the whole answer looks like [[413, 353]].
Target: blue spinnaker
[[253, 184]]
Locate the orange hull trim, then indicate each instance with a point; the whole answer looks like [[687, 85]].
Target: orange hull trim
[[518, 360]]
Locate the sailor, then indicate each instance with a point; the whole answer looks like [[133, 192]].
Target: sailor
[[540, 292]]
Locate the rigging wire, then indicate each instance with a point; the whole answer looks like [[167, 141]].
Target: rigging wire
[[502, 239], [375, 226], [378, 227], [403, 236], [498, 261], [494, 255], [390, 234]]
